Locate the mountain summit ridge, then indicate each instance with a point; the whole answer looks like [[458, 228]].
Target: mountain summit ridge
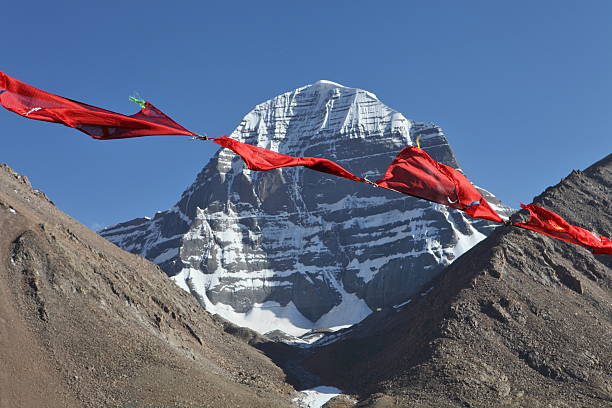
[[295, 249]]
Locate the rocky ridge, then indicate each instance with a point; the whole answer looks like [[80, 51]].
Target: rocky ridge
[[84, 323], [519, 320]]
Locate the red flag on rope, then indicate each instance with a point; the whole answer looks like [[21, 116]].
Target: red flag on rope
[[98, 123], [551, 224], [415, 173], [258, 158]]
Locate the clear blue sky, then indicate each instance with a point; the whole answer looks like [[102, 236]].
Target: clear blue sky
[[522, 88]]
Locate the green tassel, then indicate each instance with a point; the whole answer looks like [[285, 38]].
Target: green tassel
[[140, 102]]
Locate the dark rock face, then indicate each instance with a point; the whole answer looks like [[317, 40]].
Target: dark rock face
[[295, 239], [84, 323], [519, 320]]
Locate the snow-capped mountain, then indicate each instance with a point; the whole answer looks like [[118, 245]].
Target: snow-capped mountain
[[295, 249]]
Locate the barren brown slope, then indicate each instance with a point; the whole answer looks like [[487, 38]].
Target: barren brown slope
[[521, 320], [84, 323]]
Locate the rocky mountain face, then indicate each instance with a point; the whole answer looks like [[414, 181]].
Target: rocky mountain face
[[520, 320], [86, 324], [296, 249]]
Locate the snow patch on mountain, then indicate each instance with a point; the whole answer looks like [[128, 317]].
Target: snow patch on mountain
[[316, 397], [269, 316], [465, 241]]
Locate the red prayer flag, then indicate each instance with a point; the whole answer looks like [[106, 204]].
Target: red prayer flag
[[258, 158], [553, 225], [32, 103], [415, 173]]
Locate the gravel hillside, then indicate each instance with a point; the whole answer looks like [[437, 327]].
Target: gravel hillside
[[86, 324]]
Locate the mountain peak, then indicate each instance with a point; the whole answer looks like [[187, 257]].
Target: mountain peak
[[325, 83], [320, 113], [297, 250]]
